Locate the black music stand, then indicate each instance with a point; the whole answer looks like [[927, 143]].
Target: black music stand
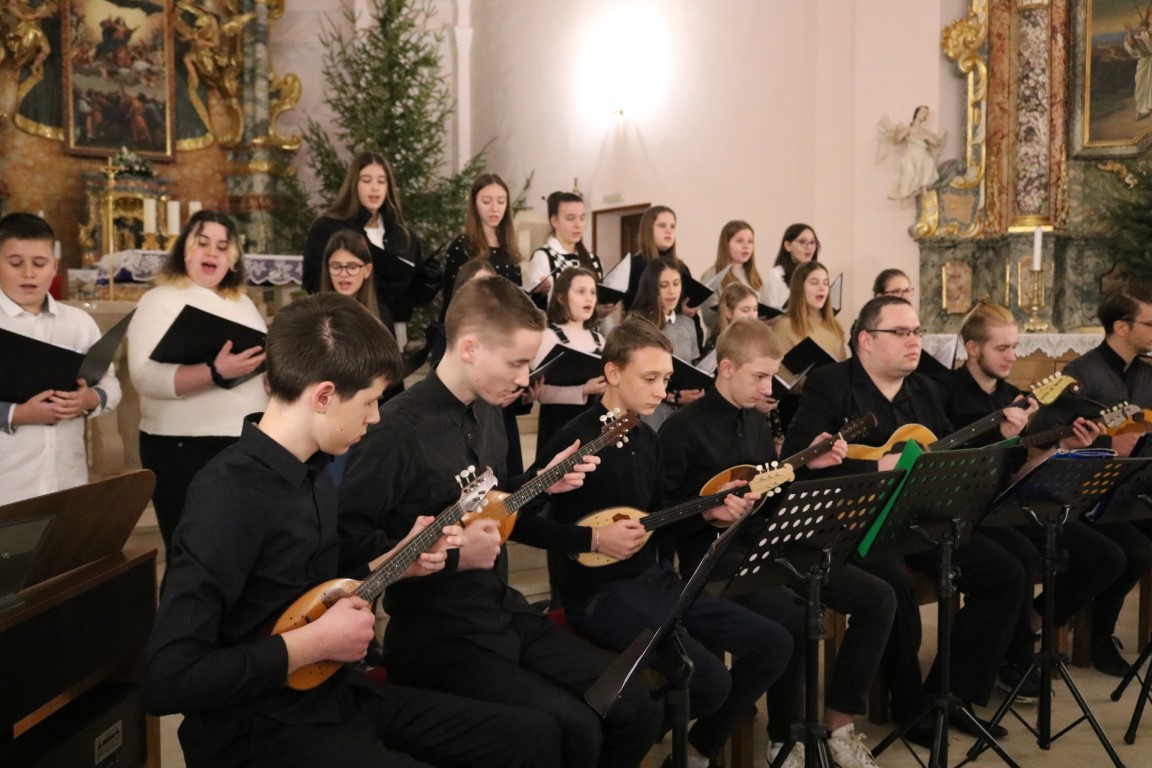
[[816, 527], [665, 644], [1047, 497], [1140, 509], [938, 507]]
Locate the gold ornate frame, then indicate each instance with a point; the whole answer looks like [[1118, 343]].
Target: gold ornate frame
[[126, 80], [964, 42]]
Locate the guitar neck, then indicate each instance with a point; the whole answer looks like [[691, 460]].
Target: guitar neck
[[1048, 436], [973, 430], [800, 458], [689, 508], [394, 567], [549, 477]]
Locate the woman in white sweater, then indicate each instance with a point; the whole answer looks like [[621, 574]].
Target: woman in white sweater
[[799, 245], [189, 413]]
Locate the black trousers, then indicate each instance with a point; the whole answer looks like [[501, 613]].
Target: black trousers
[[400, 727], [175, 461], [1091, 563], [550, 676], [1134, 540], [995, 589], [870, 604]]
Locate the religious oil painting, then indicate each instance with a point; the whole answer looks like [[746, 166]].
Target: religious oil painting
[[1112, 79], [118, 77]]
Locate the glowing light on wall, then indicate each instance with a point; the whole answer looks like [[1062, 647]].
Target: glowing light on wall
[[626, 61]]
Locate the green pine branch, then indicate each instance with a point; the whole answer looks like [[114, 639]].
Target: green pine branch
[[1128, 212]]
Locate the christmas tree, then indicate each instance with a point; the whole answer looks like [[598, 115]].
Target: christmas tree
[[1129, 216], [388, 93]]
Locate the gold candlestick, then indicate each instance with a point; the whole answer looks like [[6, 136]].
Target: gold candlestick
[[1035, 303]]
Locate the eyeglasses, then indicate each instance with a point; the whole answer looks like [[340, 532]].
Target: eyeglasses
[[900, 291], [348, 269], [900, 333], [1140, 322], [807, 243]]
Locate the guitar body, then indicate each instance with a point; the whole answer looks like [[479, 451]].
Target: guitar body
[[602, 519], [743, 472], [908, 432], [308, 607], [494, 508]]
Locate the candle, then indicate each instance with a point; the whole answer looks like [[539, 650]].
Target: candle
[[173, 217], [1037, 248], [194, 207], [56, 249], [149, 216], [40, 213]]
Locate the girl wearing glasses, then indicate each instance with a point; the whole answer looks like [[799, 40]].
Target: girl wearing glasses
[[489, 235], [798, 246], [893, 282], [347, 267], [369, 203]]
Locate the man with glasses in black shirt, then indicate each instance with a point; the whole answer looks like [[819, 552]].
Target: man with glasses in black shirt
[[882, 378]]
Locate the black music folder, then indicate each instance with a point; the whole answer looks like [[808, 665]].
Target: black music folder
[[694, 292], [567, 367], [766, 312], [806, 356], [930, 366], [196, 337], [836, 293], [606, 295], [687, 376], [31, 366]]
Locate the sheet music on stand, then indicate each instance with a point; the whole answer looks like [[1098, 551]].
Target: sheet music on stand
[[810, 517], [941, 488]]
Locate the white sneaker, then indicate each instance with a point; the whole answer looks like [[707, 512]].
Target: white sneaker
[[848, 750], [795, 758]]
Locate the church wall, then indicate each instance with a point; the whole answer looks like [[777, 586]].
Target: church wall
[[755, 110]]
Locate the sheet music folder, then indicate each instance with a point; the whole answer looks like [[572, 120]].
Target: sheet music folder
[[687, 376], [31, 366], [567, 367], [196, 337]]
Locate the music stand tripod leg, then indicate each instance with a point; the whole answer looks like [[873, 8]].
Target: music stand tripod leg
[[1145, 691]]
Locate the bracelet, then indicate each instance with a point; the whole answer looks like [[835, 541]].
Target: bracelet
[[595, 539], [217, 379]]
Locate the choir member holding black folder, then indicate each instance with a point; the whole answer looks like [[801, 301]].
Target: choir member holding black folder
[[47, 384], [571, 310], [195, 346]]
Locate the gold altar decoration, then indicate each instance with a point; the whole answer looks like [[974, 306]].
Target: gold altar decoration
[[963, 42]]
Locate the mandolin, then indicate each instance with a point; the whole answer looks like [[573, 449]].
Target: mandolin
[[1139, 420], [503, 507], [315, 602], [766, 482], [1112, 420], [1044, 391]]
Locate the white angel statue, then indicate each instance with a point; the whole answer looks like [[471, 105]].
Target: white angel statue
[[922, 148]]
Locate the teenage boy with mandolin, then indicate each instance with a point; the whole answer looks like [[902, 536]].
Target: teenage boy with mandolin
[[723, 430], [882, 379], [1108, 375], [637, 591], [465, 630], [259, 530]]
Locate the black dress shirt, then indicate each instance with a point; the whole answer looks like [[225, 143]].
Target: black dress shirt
[[703, 438], [403, 468], [1105, 379], [842, 391], [965, 402], [258, 530]]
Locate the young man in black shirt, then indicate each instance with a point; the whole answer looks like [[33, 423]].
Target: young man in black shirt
[[882, 378], [615, 603], [465, 630], [972, 392], [1109, 375], [259, 530], [723, 430]]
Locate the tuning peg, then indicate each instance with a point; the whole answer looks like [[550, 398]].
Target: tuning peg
[[603, 418], [459, 480], [483, 502]]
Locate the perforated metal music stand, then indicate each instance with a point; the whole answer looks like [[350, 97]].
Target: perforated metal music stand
[[814, 529], [938, 507], [1058, 490], [665, 644]]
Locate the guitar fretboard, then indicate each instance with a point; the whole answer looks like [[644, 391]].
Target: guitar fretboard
[[553, 475]]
